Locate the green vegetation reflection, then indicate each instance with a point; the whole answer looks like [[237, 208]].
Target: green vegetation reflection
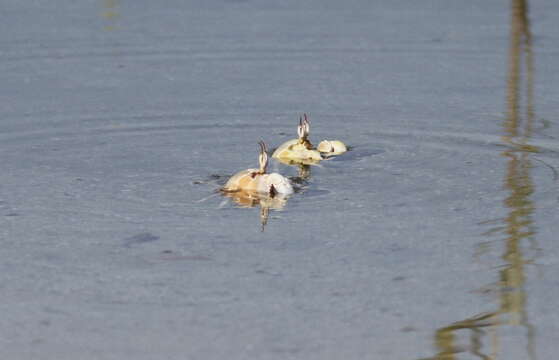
[[518, 226], [110, 13]]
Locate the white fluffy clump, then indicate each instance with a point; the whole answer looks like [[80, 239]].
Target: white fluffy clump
[[281, 185], [332, 147]]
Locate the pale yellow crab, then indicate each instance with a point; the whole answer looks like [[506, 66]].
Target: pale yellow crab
[[258, 181], [300, 149]]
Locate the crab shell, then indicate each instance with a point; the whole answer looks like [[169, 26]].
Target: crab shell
[[251, 180], [296, 151], [298, 162], [332, 147]]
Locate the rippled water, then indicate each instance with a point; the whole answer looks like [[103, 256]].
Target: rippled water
[[433, 238]]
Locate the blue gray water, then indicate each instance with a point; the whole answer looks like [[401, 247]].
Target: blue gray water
[[433, 238]]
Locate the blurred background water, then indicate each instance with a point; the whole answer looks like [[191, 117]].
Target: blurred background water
[[433, 238]]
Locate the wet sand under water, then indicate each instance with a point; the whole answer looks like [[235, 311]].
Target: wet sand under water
[[433, 238]]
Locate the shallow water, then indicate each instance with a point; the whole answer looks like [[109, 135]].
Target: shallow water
[[434, 237]]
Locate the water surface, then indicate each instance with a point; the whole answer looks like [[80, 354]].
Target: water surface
[[433, 238]]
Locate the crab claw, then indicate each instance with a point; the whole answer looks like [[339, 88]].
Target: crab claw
[[263, 158], [306, 125], [301, 129], [263, 148]]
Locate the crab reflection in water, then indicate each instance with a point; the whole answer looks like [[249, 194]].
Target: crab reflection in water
[[249, 199]]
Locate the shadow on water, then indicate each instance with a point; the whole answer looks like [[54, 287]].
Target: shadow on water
[[517, 226]]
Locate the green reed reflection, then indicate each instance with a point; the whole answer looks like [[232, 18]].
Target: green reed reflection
[[110, 13], [518, 225]]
